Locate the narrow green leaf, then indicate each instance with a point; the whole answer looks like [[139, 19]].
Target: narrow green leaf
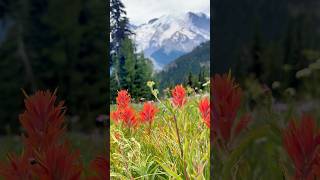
[[169, 171], [234, 156]]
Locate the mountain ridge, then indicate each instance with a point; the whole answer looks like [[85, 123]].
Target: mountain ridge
[[193, 62], [168, 37]]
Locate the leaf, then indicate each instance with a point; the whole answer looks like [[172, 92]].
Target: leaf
[[236, 153], [113, 174], [168, 170]]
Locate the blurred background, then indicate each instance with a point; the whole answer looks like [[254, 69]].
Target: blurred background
[[49, 44], [272, 48], [276, 42]]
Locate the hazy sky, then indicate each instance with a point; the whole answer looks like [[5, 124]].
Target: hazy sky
[[140, 11]]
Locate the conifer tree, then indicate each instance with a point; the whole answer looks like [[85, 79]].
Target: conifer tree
[[190, 80], [143, 74], [133, 73], [61, 49], [201, 78], [127, 64], [119, 26]]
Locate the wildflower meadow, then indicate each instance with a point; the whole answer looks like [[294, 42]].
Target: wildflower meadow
[[163, 139]]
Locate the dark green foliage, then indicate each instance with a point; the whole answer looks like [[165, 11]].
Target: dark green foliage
[[187, 67], [131, 72], [119, 27], [265, 38], [55, 44], [127, 62], [11, 97], [143, 71], [193, 81]]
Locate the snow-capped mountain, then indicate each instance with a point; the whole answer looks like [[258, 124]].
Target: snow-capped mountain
[[166, 38]]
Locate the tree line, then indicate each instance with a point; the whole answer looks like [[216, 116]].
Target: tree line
[[54, 44], [129, 69], [273, 41]]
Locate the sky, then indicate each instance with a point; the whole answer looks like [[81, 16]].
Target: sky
[[141, 11]]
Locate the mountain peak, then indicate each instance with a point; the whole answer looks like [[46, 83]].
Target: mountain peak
[[152, 20], [199, 14], [165, 38], [194, 14]]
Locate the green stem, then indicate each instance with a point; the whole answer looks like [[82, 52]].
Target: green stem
[[149, 128], [178, 135], [181, 149]]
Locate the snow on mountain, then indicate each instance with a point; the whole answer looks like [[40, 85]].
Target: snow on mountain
[[166, 38]]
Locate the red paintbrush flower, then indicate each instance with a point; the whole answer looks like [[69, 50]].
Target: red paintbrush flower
[[148, 112], [226, 103], [128, 116], [42, 120], [179, 96], [123, 99], [100, 167], [204, 107], [58, 163], [301, 142], [116, 116], [18, 168]]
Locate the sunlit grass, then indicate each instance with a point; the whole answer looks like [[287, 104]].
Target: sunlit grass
[[140, 155]]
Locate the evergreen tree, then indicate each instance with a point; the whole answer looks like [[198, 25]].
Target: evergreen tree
[[59, 45], [114, 87], [18, 12], [143, 74], [127, 62], [190, 80], [129, 70], [133, 73], [15, 64], [119, 26], [201, 78]]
